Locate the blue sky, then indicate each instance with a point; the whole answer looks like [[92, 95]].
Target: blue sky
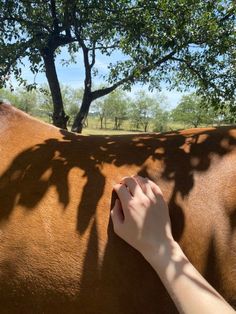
[[73, 75]]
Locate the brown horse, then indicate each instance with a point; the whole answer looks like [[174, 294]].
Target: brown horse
[[58, 251]]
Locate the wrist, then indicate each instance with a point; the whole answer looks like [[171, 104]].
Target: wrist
[[159, 257]]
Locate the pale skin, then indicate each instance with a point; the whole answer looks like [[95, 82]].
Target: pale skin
[[140, 216]]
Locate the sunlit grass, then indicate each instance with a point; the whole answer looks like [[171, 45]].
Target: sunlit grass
[[94, 127]]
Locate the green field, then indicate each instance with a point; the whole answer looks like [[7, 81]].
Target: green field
[[126, 127], [93, 127]]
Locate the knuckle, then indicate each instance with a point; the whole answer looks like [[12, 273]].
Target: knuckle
[[146, 202], [132, 204]]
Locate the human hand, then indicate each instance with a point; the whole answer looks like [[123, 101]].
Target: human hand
[[141, 217]]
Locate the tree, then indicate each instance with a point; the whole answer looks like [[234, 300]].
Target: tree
[[34, 30], [46, 26], [143, 110], [45, 101], [183, 47], [21, 98], [101, 110], [191, 111], [71, 99], [6, 95], [160, 123], [115, 105], [173, 44], [170, 42]]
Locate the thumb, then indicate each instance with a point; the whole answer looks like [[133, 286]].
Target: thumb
[[117, 215]]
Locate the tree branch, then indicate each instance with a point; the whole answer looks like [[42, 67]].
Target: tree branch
[[93, 55], [230, 13], [131, 78], [27, 22], [104, 47], [66, 18], [54, 16], [18, 53], [205, 82]]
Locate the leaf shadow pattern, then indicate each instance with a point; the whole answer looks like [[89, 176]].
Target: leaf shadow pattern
[[124, 280]]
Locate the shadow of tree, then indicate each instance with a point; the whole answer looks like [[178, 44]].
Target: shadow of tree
[[125, 280]]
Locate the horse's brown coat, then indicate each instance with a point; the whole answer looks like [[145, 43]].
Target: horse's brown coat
[[58, 252]]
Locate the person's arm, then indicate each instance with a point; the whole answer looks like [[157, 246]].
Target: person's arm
[[141, 217]]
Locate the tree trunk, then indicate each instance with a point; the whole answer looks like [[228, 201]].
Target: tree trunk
[[101, 122], [59, 117], [145, 127], [82, 114], [105, 122], [116, 123]]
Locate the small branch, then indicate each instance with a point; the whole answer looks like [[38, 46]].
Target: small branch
[[21, 49], [27, 22], [104, 47], [230, 13], [206, 83]]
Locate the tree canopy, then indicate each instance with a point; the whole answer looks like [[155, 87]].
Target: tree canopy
[[192, 112], [184, 43]]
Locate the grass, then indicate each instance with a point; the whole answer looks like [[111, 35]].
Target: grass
[[88, 131], [93, 127]]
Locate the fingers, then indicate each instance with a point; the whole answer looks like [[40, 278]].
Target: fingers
[[155, 188], [117, 214], [136, 186], [132, 188], [123, 194], [132, 185], [145, 186]]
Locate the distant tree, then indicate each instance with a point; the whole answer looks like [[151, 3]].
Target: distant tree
[[224, 115], [143, 110], [193, 112], [27, 100], [160, 123], [72, 98], [101, 109], [45, 100], [115, 105], [8, 96], [21, 98], [228, 115]]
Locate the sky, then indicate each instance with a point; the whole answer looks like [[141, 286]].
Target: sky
[[73, 76]]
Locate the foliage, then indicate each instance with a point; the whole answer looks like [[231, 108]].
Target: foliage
[[101, 109], [72, 98], [161, 120], [114, 107], [143, 110], [170, 43], [22, 99], [7, 96], [192, 112], [184, 43], [28, 29]]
